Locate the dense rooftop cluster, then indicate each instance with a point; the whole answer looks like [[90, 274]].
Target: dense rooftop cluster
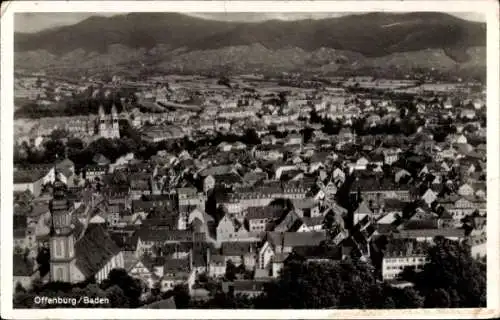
[[229, 191]]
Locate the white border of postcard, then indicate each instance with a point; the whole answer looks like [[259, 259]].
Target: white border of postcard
[[487, 7]]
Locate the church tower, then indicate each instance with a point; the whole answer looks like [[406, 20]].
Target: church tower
[[62, 240], [102, 122], [115, 124]]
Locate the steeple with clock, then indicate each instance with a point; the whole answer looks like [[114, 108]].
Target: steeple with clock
[[62, 240]]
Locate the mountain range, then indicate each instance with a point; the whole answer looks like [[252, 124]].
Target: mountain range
[[177, 42]]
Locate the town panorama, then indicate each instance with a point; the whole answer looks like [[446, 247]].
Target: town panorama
[[261, 176]]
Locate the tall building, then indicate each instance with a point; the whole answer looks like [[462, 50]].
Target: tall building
[[108, 124], [79, 251], [62, 240]]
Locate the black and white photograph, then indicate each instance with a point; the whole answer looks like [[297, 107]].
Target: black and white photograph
[[249, 160]]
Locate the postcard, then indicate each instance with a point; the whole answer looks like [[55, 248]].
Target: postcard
[[250, 159]]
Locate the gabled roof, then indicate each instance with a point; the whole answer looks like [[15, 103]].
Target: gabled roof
[[405, 247], [94, 250], [28, 176], [314, 221], [176, 265], [268, 212], [293, 239], [288, 222], [420, 224], [129, 260], [238, 248], [306, 203], [100, 159], [363, 208], [65, 167]]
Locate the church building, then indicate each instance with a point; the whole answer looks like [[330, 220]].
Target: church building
[[78, 251], [108, 123]]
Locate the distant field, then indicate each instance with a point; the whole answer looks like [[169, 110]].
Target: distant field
[[23, 126]]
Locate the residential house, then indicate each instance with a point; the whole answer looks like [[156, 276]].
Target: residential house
[[143, 269], [284, 242], [190, 197], [401, 254], [95, 172], [429, 196], [466, 190], [346, 135], [230, 229], [390, 156], [460, 207], [361, 212], [251, 288], [260, 217], [428, 235], [240, 253], [177, 272], [216, 266], [360, 164], [31, 180], [371, 188], [306, 207], [293, 139], [311, 224]]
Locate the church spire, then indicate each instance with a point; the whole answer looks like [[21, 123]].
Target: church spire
[[114, 112], [101, 111]]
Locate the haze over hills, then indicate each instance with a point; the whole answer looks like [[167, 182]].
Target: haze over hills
[[177, 42]]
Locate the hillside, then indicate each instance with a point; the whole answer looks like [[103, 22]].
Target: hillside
[[174, 41]]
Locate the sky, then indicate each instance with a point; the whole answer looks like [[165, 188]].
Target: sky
[[34, 22]]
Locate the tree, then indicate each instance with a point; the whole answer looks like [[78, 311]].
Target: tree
[[346, 284], [251, 137], [74, 143], [53, 149], [119, 178], [59, 134], [314, 117], [453, 271], [24, 198], [230, 271], [43, 261], [131, 287], [181, 296], [307, 134], [407, 298], [408, 274], [19, 288], [438, 298], [116, 296]]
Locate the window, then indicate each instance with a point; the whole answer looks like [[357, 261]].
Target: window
[[58, 247], [59, 274]]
